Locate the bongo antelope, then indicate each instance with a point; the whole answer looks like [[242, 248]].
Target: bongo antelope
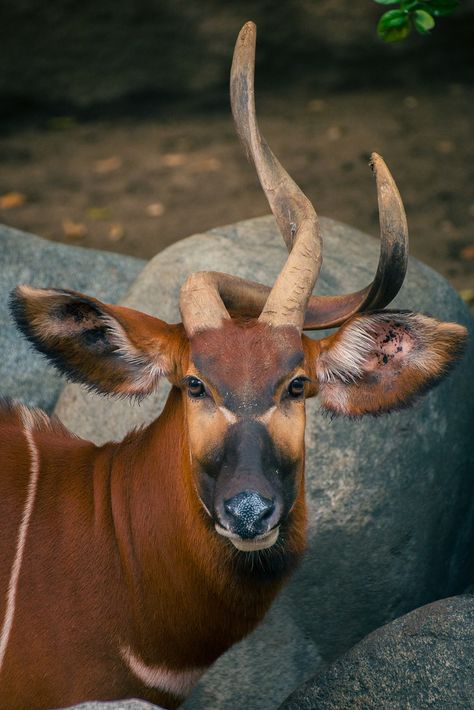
[[127, 569]]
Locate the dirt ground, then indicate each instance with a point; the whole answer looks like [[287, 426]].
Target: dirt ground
[[137, 181]]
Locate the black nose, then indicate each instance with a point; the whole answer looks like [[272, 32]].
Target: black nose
[[248, 513]]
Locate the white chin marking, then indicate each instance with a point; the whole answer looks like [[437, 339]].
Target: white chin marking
[[259, 543]]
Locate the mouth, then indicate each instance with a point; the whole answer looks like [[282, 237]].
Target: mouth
[[261, 542]]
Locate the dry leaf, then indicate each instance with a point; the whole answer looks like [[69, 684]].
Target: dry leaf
[[207, 165], [107, 165], [316, 105], [12, 199], [445, 147], [468, 253], [74, 230], [156, 209], [116, 232], [467, 295], [334, 133], [174, 160], [98, 213], [61, 123], [410, 101]]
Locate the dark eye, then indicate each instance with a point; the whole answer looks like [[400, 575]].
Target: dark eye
[[196, 387], [296, 387]]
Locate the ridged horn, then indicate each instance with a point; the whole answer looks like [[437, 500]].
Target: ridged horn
[[294, 214]]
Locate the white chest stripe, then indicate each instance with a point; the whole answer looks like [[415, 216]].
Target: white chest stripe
[[177, 683], [21, 540]]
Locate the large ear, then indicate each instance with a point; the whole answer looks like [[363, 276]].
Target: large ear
[[111, 349], [381, 361]]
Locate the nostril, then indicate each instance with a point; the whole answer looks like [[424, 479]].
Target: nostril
[[248, 512], [268, 513]]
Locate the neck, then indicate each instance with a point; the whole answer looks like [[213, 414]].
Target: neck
[[189, 597]]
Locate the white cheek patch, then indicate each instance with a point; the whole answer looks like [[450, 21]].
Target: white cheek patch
[[266, 416], [178, 683], [228, 415]]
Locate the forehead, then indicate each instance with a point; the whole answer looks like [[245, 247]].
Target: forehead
[[245, 361]]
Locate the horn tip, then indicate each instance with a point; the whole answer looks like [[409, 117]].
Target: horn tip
[[248, 32], [375, 162]]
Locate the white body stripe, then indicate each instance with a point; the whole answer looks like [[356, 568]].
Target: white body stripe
[[27, 421], [177, 683]]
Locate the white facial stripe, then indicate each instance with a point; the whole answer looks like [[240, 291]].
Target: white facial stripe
[[229, 416], [28, 423], [177, 683], [266, 416]]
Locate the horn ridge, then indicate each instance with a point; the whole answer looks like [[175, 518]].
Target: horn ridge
[[206, 296], [294, 214]]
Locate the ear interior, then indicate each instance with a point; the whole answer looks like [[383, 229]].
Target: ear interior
[[383, 360], [111, 349]]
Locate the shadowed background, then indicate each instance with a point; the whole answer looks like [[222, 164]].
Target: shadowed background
[[116, 131]]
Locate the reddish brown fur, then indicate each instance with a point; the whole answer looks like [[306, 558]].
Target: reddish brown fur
[[114, 582], [119, 550]]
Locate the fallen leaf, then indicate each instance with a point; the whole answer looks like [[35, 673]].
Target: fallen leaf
[[74, 230], [61, 123], [107, 165], [207, 165], [410, 101], [12, 199], [468, 253], [155, 209], [445, 147], [98, 213], [174, 160], [334, 133], [116, 232], [316, 105], [467, 295]]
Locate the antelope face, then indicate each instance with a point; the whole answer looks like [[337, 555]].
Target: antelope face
[[245, 391]]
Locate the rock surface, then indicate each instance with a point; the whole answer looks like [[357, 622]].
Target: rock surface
[[422, 660], [390, 499], [27, 259], [117, 705]]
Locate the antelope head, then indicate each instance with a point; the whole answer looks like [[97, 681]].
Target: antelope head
[[241, 360]]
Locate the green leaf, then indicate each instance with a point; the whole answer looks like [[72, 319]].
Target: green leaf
[[442, 8], [408, 5], [392, 18], [423, 21], [387, 2], [394, 28], [394, 34]]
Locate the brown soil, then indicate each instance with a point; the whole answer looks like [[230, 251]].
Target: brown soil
[[135, 185]]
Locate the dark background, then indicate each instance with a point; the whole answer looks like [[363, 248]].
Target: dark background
[[116, 132]]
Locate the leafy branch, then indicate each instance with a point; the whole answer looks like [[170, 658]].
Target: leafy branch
[[395, 25]]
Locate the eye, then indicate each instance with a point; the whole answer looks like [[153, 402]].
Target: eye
[[296, 387], [196, 388]]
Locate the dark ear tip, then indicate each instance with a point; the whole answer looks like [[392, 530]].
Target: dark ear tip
[[17, 304]]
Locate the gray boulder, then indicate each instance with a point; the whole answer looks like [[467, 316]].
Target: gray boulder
[[422, 660], [117, 705], [25, 258], [391, 512]]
